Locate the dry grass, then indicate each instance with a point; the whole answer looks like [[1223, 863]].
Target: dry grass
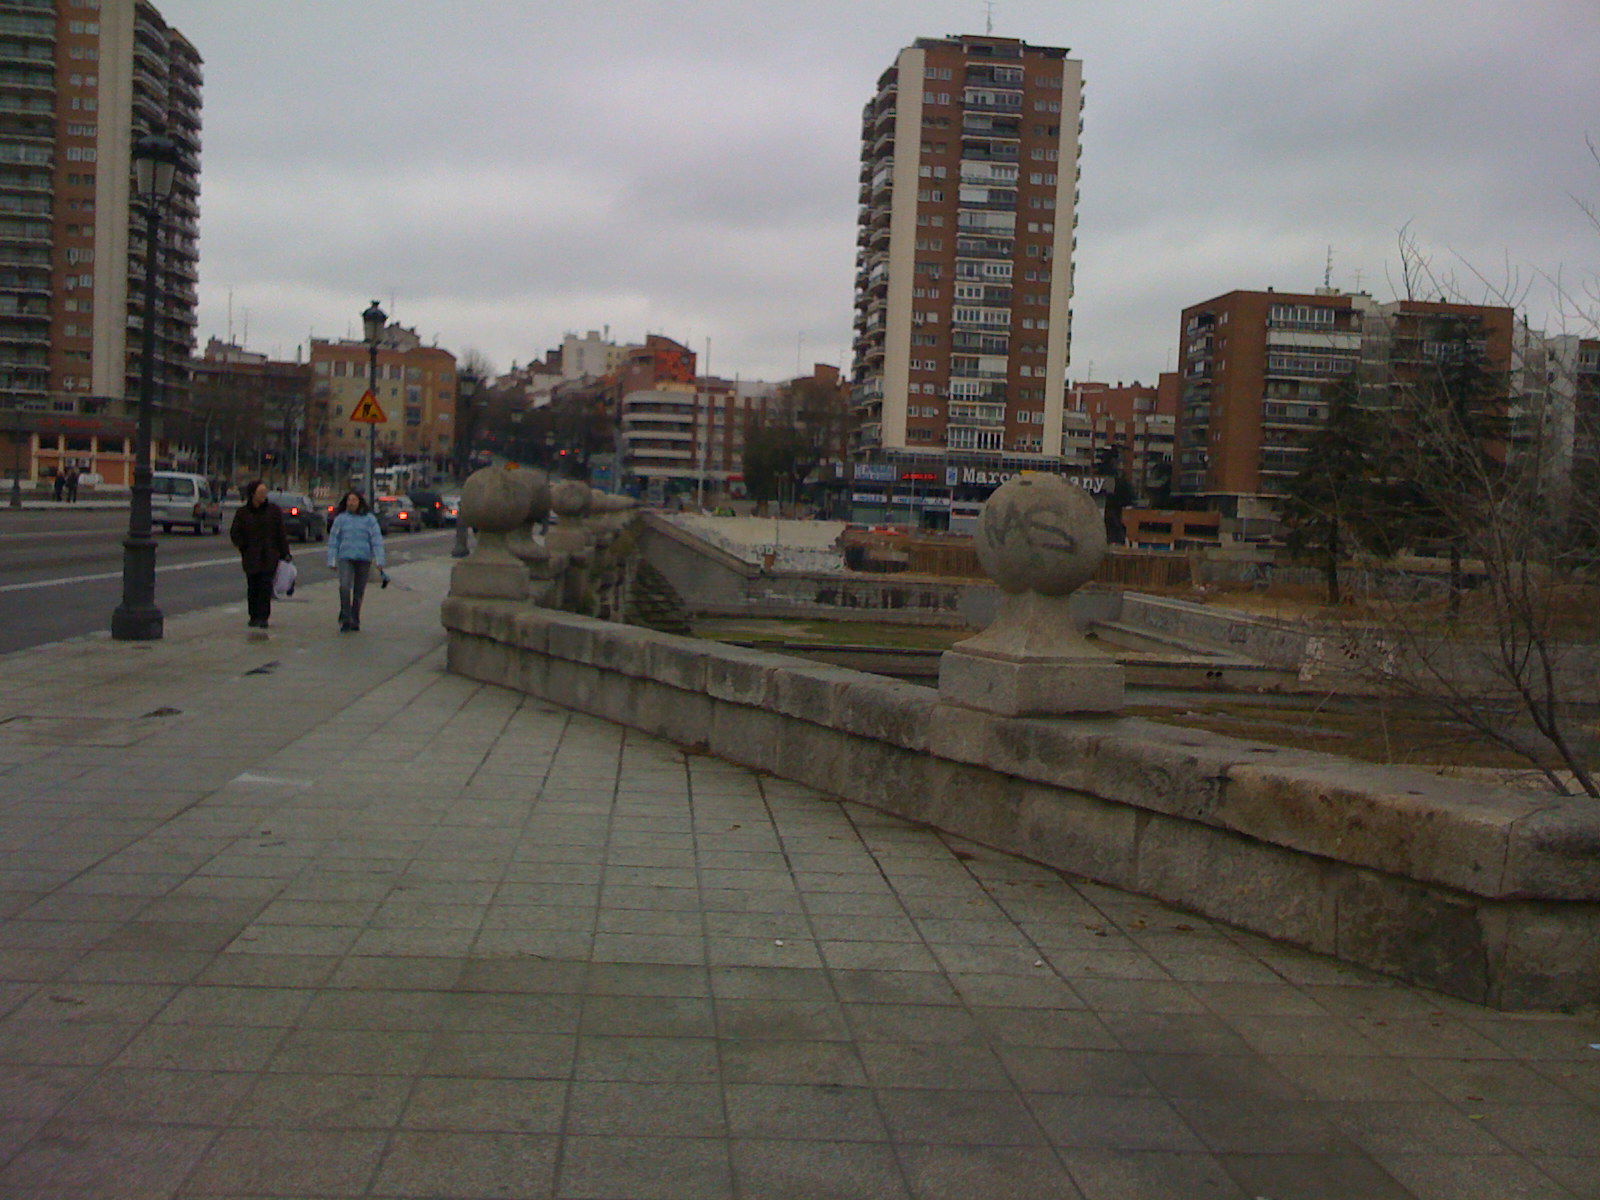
[[1375, 732]]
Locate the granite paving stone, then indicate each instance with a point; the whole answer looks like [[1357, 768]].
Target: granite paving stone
[[368, 929]]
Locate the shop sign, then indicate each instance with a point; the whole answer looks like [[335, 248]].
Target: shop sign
[[1095, 485], [875, 473], [868, 498]]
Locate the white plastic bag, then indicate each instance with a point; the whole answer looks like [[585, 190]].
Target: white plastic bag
[[283, 579]]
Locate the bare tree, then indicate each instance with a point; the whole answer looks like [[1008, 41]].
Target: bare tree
[[1502, 474], [1513, 653]]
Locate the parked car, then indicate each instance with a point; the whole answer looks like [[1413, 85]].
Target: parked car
[[178, 498], [303, 518], [395, 512], [430, 507]]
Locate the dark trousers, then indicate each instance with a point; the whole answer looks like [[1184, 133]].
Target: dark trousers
[[352, 586], [258, 595]]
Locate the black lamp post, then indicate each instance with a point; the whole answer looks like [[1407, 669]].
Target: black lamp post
[[137, 619], [372, 322]]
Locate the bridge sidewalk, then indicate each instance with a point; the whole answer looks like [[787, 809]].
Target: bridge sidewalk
[[311, 917]]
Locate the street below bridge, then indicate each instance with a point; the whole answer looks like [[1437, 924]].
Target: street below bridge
[[61, 570]]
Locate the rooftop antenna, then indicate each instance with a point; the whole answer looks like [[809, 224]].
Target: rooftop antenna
[[1327, 269], [988, 17]]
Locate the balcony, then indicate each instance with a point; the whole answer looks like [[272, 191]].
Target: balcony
[[978, 125], [994, 342], [983, 248], [985, 416], [645, 455], [36, 334], [646, 433], [26, 74]]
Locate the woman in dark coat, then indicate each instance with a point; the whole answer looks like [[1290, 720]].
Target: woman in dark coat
[[263, 542]]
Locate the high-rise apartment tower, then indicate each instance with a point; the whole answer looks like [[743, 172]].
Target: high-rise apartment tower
[[969, 189], [80, 80]]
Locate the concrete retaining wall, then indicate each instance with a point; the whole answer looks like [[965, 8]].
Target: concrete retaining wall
[[1486, 894]]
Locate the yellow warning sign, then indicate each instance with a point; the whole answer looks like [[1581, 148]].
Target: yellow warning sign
[[367, 411]]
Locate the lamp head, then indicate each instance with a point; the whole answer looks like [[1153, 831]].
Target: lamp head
[[373, 321], [155, 165]]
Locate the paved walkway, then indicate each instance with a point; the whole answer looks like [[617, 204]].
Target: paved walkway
[[311, 918]]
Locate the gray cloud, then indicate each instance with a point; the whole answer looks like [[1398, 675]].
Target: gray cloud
[[511, 170]]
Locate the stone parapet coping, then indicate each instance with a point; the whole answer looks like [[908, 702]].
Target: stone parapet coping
[[1482, 892]]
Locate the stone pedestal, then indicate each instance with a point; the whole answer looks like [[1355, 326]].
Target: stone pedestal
[[495, 501], [1032, 662], [489, 576], [1039, 538]]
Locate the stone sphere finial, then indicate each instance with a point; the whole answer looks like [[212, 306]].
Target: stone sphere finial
[[496, 499], [1040, 539], [1039, 533], [569, 498]]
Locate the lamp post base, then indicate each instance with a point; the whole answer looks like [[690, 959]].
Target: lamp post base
[[136, 624], [137, 619]]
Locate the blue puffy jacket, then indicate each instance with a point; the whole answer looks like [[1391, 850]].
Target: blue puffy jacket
[[355, 536]]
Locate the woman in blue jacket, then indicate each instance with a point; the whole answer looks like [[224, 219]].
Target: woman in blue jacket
[[355, 545]]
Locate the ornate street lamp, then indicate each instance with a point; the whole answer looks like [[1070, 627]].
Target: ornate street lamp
[[373, 322], [137, 619]]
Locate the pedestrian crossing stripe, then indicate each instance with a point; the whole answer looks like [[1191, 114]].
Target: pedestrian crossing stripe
[[367, 411]]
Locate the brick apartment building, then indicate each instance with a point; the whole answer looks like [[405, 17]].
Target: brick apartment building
[[1258, 369], [968, 189], [1136, 422], [80, 80], [416, 391], [679, 431]]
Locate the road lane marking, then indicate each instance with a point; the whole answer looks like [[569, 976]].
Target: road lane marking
[[67, 581]]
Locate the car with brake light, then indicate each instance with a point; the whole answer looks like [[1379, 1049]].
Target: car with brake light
[[303, 517], [396, 512]]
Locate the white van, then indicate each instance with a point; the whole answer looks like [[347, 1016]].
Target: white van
[[177, 498]]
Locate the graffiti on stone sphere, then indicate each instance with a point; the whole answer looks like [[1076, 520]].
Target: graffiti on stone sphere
[[1039, 528]]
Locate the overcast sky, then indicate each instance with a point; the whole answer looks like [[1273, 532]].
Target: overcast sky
[[500, 172]]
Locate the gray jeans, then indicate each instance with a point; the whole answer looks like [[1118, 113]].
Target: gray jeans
[[352, 586]]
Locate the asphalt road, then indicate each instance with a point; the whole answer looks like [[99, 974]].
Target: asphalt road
[[61, 570]]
